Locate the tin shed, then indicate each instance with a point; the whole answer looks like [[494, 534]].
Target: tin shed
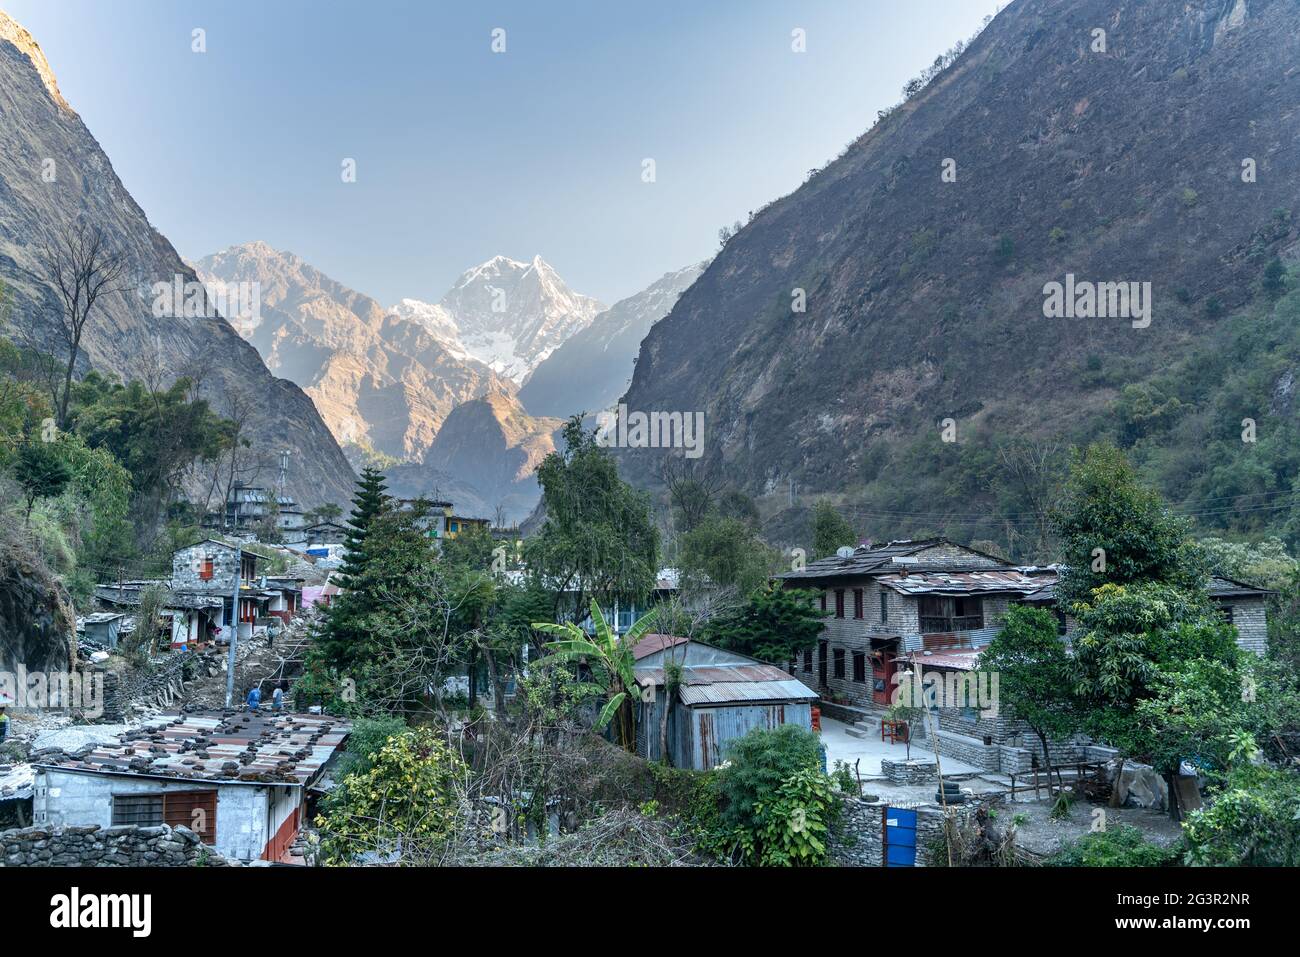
[[722, 696]]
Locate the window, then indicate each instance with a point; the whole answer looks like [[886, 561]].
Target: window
[[942, 614], [143, 809], [1226, 612], [839, 603], [196, 810], [857, 603], [884, 607], [807, 660], [859, 666], [205, 569], [1061, 625], [839, 662], [823, 596]]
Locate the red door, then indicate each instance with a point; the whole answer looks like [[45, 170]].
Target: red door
[[882, 677]]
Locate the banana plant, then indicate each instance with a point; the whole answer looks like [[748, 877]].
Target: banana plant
[[610, 659]]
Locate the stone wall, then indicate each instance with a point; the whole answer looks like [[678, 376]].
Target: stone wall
[[857, 839], [95, 846], [187, 565], [1249, 615], [909, 772], [160, 685]]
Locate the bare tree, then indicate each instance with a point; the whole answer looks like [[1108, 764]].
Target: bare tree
[[691, 489], [240, 464], [81, 266], [1034, 470]]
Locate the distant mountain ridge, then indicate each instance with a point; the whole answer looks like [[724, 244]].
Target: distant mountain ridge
[[484, 459], [923, 293], [381, 381]]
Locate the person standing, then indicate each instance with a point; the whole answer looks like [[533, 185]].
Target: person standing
[[277, 698], [254, 698]]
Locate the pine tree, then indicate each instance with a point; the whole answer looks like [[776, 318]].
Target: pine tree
[[371, 500]]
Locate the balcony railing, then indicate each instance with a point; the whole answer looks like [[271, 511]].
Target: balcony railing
[[939, 624]]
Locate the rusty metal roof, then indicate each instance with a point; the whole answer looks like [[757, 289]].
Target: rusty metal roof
[[239, 747], [988, 581], [649, 644]]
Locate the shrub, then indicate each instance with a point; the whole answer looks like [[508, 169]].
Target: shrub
[[777, 802], [1121, 846], [406, 800], [1253, 821], [759, 763]]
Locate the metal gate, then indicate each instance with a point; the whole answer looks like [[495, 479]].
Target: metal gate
[[899, 827]]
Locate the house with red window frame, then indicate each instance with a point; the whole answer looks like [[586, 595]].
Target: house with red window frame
[[208, 568], [881, 602]]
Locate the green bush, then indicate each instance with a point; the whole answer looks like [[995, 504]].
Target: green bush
[[758, 764], [406, 799], [1121, 846], [777, 803], [1254, 820], [368, 736]]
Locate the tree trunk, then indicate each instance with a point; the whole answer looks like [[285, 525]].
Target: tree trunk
[[473, 680], [1047, 758], [498, 689], [1114, 789], [663, 728]]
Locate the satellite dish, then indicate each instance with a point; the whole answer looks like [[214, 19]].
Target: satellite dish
[[845, 552]]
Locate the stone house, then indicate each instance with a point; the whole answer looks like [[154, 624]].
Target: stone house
[[208, 569], [882, 602], [243, 782], [1245, 607]]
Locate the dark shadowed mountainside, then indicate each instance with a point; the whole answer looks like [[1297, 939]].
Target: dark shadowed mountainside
[[39, 133], [925, 297]]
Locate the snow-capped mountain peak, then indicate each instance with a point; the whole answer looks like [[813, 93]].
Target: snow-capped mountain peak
[[507, 314]]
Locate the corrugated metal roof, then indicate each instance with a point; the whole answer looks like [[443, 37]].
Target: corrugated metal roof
[[720, 683], [959, 660], [246, 747], [875, 559], [649, 644], [723, 692]]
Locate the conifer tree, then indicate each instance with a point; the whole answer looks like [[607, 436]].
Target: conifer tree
[[370, 501]]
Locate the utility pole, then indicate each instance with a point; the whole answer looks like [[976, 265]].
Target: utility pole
[[234, 632]]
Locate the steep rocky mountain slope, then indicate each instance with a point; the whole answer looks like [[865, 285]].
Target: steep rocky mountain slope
[[483, 459], [380, 381], [925, 297], [593, 367], [40, 134], [507, 314]]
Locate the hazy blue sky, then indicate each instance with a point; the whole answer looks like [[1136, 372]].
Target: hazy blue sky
[[462, 153]]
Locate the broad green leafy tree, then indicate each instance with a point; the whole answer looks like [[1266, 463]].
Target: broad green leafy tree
[[831, 530], [403, 804], [1035, 675], [41, 471], [1114, 530], [725, 553], [599, 539]]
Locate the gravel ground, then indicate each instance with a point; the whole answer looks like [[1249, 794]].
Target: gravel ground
[[1042, 835]]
